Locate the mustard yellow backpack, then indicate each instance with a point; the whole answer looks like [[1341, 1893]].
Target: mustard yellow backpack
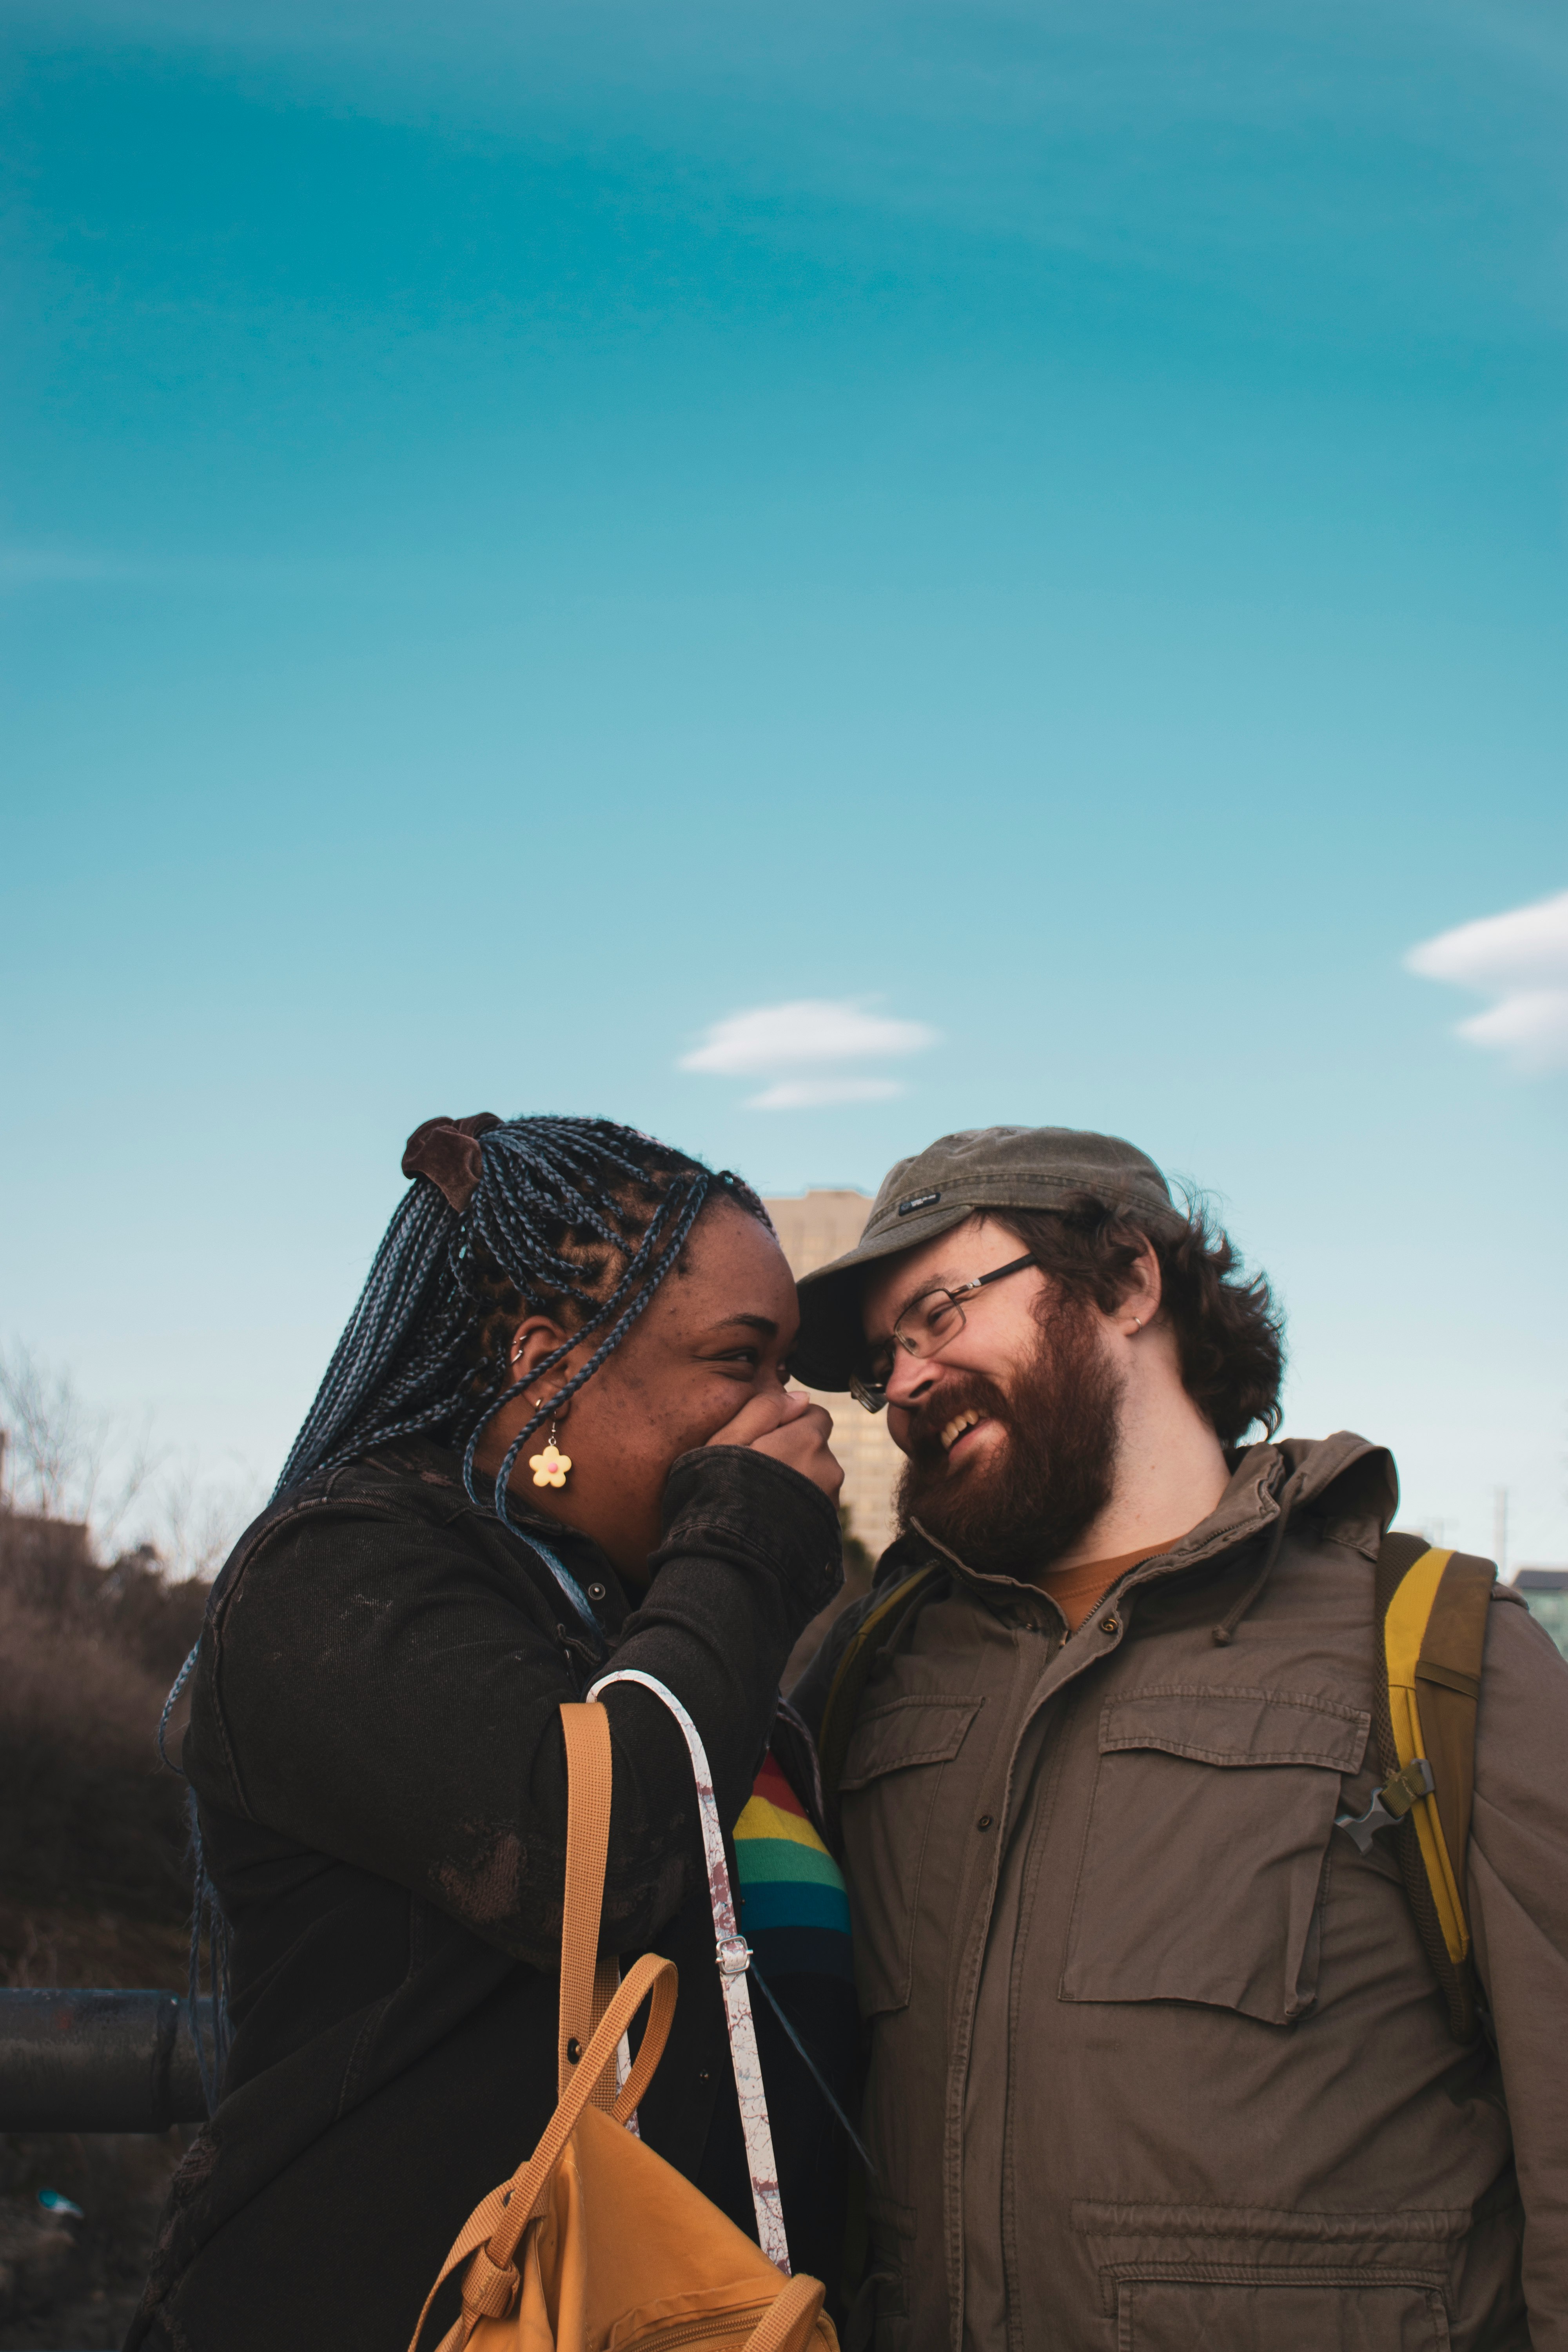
[[595, 2244], [1430, 1609]]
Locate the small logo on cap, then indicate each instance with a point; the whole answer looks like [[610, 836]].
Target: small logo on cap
[[918, 1200]]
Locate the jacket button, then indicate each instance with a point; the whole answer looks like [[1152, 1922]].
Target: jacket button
[[595, 1593], [573, 2051], [983, 1822], [1110, 1625]]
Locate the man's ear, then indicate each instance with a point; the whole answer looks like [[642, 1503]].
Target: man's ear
[[1141, 1293], [532, 1341]]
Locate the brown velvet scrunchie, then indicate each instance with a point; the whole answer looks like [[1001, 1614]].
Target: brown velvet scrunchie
[[448, 1151]]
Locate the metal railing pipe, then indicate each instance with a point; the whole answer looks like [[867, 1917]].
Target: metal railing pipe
[[99, 2062]]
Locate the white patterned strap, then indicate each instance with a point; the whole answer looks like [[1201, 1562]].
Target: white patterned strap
[[734, 1958]]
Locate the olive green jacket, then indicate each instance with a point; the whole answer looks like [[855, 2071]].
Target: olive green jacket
[[1157, 2061]]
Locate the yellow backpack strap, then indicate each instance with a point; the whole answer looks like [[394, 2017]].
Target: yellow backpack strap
[[861, 1652], [1431, 1615], [587, 1982]]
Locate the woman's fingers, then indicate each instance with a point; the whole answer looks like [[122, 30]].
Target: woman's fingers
[[803, 1444], [762, 1415], [787, 1425]]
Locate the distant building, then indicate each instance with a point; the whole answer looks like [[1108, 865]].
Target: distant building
[[1546, 1590], [812, 1229], [45, 1562]]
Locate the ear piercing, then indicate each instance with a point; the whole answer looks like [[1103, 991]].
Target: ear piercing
[[1138, 1322], [550, 1466]]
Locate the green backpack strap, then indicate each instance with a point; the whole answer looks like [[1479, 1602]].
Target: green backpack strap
[[861, 1652], [1430, 1612]]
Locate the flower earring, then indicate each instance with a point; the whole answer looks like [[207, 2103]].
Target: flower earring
[[551, 1467]]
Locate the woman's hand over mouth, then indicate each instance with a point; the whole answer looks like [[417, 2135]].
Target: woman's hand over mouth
[[793, 1430]]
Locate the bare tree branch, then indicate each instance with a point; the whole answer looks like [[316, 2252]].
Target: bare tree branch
[[195, 1519], [66, 1460], [57, 1445]]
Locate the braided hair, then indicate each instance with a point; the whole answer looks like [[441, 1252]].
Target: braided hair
[[576, 1218]]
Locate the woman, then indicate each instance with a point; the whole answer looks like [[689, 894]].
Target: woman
[[556, 1427]]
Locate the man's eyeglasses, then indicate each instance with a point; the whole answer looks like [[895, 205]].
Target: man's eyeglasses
[[925, 1328]]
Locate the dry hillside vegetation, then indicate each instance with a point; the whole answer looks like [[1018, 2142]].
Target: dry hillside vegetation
[[94, 1890]]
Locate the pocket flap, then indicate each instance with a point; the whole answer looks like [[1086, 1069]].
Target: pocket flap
[[1236, 1727], [918, 1729]]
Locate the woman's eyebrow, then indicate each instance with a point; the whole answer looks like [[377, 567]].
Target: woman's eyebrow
[[762, 1323]]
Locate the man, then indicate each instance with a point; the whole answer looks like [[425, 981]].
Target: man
[[1158, 2057]]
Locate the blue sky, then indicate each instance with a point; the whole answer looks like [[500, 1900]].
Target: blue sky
[[532, 531]]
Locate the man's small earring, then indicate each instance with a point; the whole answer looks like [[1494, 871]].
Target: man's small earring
[[1138, 1322], [550, 1467]]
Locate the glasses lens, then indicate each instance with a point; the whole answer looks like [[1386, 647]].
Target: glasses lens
[[929, 1323]]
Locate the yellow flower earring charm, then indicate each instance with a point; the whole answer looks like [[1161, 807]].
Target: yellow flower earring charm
[[550, 1467]]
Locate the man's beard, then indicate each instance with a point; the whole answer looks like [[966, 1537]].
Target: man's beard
[[1053, 1473]]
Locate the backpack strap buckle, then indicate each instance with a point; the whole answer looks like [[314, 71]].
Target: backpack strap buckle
[[1390, 1805]]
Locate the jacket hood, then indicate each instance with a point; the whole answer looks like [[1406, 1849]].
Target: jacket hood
[[1345, 1479]]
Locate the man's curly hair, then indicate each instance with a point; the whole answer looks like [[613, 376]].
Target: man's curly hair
[[1230, 1331]]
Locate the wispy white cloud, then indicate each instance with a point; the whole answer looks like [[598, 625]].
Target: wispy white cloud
[[811, 1035], [811, 1093], [812, 1029], [1519, 959]]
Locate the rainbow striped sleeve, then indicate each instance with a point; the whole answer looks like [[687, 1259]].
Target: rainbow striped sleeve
[[794, 1911]]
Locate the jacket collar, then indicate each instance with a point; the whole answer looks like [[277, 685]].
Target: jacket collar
[[432, 1466]]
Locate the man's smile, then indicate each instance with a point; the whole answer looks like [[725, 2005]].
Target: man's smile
[[958, 1436]]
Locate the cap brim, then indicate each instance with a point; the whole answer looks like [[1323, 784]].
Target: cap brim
[[832, 1340]]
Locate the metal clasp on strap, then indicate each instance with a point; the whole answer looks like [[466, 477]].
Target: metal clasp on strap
[[734, 1955], [1391, 1804]]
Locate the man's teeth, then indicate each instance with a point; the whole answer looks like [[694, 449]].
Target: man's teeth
[[956, 1427]]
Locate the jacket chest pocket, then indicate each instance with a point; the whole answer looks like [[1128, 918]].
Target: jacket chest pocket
[[895, 1770], [1244, 2313], [1204, 1853]]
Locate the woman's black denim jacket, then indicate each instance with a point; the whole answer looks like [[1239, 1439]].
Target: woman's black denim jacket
[[375, 1754]]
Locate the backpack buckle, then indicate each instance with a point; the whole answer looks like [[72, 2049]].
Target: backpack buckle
[[1390, 1805], [734, 1955]]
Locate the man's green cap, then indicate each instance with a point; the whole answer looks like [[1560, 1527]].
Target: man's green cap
[[978, 1167]]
